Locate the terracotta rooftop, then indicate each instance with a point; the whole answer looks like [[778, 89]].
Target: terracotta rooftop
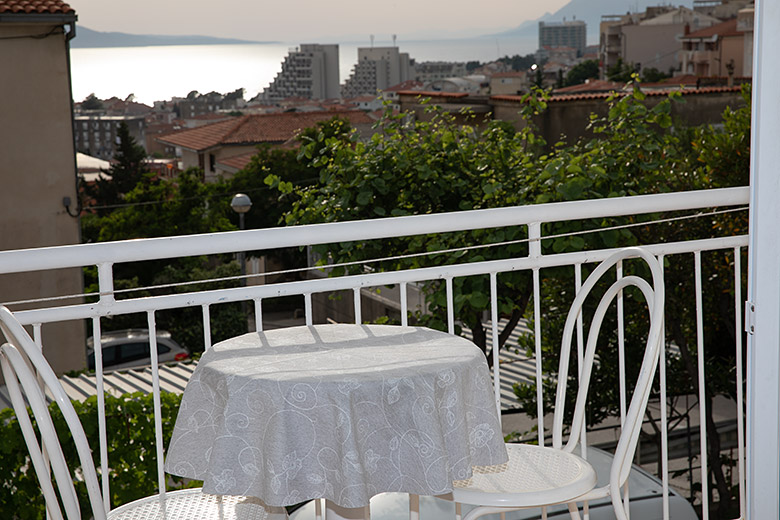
[[35, 7], [727, 28], [605, 95], [237, 162], [597, 85], [409, 84], [258, 128]]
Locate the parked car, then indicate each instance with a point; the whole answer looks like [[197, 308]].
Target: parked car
[[130, 348], [645, 491]]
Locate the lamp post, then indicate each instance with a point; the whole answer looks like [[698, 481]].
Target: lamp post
[[241, 203]]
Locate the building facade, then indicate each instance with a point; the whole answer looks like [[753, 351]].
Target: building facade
[[571, 33], [310, 72], [97, 135], [377, 69], [38, 167]]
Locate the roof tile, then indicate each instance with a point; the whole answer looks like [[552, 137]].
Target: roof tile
[[35, 6], [258, 128]]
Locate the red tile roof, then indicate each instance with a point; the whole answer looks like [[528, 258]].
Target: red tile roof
[[597, 85], [35, 6], [237, 162], [605, 95], [425, 93], [727, 28], [258, 128]]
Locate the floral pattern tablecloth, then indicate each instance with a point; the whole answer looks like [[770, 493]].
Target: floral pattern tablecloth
[[341, 412]]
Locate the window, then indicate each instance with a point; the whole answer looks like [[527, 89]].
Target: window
[[212, 162]]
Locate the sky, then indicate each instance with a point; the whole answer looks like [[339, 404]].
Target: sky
[[311, 20]]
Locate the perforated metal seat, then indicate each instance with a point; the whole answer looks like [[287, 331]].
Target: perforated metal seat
[[189, 504], [193, 504], [531, 476], [542, 476]]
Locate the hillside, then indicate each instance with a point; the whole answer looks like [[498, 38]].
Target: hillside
[[88, 38]]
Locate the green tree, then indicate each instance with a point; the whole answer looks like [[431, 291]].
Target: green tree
[[653, 75], [620, 71], [91, 102], [124, 174], [585, 70], [436, 166]]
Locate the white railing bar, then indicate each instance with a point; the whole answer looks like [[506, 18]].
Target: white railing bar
[[450, 306], [258, 314], [621, 349], [664, 411], [206, 324], [740, 397], [101, 406], [106, 282], [705, 507], [538, 355], [404, 305], [57, 257], [158, 433], [368, 261], [307, 309], [358, 310], [580, 354], [233, 294], [496, 346]]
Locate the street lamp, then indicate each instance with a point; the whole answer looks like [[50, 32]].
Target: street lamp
[[241, 203]]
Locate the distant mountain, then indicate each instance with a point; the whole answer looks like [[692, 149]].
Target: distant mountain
[[88, 38], [589, 11]]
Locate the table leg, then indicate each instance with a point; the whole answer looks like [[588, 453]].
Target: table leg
[[336, 512]]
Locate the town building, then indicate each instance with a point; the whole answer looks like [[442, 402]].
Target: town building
[[718, 50], [38, 168], [376, 69], [648, 40], [208, 146], [428, 71], [96, 135], [572, 33], [516, 82], [310, 71]]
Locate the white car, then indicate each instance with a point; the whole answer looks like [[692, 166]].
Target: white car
[[130, 348], [645, 491]]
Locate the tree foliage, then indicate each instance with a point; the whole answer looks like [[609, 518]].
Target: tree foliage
[[435, 166], [131, 450], [124, 174], [588, 69]]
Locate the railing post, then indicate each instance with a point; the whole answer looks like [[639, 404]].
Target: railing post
[[106, 282]]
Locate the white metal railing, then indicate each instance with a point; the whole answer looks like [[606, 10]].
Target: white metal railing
[[105, 255]]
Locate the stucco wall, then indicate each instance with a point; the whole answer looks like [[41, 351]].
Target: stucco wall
[[37, 169]]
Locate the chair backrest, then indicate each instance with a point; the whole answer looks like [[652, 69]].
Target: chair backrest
[[16, 371], [654, 295]]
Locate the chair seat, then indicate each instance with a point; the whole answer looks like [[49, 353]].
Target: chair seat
[[532, 476], [193, 504]]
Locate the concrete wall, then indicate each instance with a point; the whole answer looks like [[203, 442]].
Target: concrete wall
[[569, 119], [37, 169], [652, 46]]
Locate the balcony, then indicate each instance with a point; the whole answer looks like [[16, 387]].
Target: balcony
[[541, 268]]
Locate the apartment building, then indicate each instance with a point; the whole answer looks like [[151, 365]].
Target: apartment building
[[96, 135], [572, 33], [377, 69], [310, 71], [428, 71], [723, 49], [651, 39]]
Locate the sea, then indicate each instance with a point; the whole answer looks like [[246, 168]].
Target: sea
[[158, 73]]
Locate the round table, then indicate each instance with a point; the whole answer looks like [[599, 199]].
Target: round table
[[341, 412]]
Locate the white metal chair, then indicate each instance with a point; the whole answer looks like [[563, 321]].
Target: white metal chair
[[542, 476], [186, 504]]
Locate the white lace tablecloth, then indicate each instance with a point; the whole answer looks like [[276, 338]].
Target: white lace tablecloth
[[342, 412]]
